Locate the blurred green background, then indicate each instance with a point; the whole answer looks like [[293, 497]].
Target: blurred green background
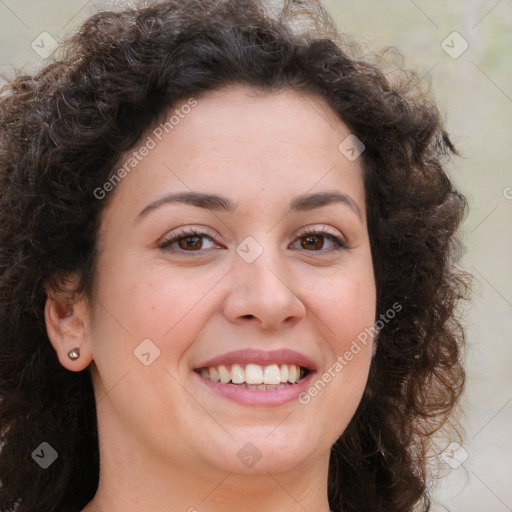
[[463, 48]]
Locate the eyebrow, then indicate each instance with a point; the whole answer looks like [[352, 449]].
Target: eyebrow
[[214, 202], [306, 202]]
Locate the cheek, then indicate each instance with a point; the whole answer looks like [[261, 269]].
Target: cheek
[[163, 304], [346, 306], [145, 298], [345, 315]]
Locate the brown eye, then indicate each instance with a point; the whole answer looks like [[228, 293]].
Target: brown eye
[[314, 242], [321, 241], [190, 243]]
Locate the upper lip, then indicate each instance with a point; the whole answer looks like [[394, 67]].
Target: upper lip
[[260, 357]]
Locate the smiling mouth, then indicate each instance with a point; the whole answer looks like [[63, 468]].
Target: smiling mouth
[[254, 376]]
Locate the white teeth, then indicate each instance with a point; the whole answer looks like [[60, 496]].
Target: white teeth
[[237, 374], [260, 377], [214, 374], [253, 374], [263, 387], [284, 373], [294, 373], [272, 375], [225, 375]]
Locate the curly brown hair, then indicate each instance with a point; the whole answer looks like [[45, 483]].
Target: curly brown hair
[[62, 134]]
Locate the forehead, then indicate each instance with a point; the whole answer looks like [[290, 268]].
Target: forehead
[[247, 144]]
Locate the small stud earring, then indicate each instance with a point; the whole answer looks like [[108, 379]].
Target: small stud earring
[[74, 354]]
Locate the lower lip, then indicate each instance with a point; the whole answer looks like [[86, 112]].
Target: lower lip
[[259, 397]]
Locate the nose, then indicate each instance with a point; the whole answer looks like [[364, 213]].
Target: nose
[[262, 293]]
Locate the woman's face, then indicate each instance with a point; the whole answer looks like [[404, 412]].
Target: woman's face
[[235, 245]]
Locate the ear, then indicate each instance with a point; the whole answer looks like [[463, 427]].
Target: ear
[[67, 325]]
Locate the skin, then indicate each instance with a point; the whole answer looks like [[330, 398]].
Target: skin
[[167, 442]]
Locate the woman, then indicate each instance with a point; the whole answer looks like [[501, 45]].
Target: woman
[[227, 270]]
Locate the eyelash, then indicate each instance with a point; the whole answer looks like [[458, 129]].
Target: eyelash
[[338, 242]]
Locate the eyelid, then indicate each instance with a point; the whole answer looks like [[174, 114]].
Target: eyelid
[[182, 232], [177, 234], [319, 228]]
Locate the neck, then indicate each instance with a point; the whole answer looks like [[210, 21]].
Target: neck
[[136, 475], [154, 486]]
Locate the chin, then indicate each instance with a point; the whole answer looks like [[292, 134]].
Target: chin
[[261, 450]]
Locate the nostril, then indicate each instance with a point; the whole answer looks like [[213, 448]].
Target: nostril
[[248, 316]]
